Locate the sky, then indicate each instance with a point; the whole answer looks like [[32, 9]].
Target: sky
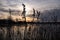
[[30, 4], [37, 4]]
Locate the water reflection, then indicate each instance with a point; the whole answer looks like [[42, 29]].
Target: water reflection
[[30, 32]]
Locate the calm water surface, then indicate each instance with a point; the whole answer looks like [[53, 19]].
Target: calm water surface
[[30, 32]]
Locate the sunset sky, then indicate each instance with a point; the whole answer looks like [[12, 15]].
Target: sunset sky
[[37, 4]]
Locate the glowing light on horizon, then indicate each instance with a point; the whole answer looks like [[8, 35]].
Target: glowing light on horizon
[[28, 8]]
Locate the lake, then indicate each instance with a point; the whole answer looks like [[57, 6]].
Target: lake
[[30, 32]]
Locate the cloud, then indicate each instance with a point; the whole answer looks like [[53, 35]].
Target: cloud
[[5, 10], [38, 4], [6, 4]]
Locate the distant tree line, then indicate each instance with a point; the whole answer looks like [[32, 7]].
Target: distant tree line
[[50, 15]]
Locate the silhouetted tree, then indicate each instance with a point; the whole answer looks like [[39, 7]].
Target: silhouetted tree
[[24, 11], [38, 15], [33, 14], [10, 12]]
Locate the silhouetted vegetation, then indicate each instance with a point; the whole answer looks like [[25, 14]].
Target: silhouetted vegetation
[[24, 12], [38, 15], [33, 14]]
